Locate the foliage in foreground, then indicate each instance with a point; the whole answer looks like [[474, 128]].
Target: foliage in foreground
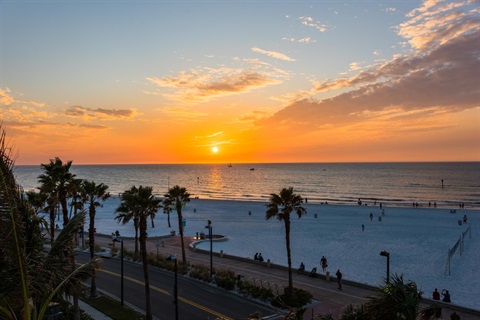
[[31, 279], [397, 300]]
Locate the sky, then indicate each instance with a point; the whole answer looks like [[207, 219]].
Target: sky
[[107, 82]]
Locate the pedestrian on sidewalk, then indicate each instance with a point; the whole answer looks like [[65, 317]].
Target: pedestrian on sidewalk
[[323, 263], [339, 279]]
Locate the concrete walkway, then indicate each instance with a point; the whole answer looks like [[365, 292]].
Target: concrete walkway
[[328, 299]]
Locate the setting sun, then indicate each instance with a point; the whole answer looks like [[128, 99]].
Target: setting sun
[[215, 149]]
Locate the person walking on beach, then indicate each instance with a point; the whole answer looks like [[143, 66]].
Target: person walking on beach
[[260, 258], [436, 294], [323, 263], [339, 279], [255, 257]]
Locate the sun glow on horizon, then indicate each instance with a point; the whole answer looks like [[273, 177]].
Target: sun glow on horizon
[[215, 149]]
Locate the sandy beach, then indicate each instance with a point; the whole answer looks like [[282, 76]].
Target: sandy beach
[[418, 240]]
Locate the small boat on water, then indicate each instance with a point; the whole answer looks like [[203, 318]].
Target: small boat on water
[[252, 169], [229, 165]]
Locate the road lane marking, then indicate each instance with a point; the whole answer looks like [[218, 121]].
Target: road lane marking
[[190, 302]]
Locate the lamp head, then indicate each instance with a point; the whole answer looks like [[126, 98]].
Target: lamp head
[[385, 253]]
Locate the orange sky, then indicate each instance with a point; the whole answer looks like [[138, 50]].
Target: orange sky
[[402, 84]]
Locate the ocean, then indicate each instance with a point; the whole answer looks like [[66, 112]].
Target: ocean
[[394, 184]]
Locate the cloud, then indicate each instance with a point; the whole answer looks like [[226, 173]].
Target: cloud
[[213, 135], [308, 21], [5, 97], [86, 125], [437, 22], [438, 79], [203, 84], [306, 40], [355, 66], [100, 113], [253, 116], [273, 54]]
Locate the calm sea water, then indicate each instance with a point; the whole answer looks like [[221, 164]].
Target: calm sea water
[[395, 184]]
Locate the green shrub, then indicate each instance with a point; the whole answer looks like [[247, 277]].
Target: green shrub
[[225, 279], [297, 298], [250, 290], [200, 271]]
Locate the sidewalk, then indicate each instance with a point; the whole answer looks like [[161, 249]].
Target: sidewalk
[[328, 299]]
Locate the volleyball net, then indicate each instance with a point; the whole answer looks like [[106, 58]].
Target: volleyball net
[[460, 246]]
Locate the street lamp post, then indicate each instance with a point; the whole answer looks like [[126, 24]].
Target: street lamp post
[[175, 286], [121, 268], [209, 227], [387, 254]]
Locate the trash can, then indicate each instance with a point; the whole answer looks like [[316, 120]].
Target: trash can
[[268, 263], [327, 276]]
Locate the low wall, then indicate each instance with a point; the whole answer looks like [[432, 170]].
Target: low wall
[[270, 264]]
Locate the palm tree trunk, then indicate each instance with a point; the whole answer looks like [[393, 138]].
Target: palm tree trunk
[[168, 219], [63, 203], [136, 237], [180, 231], [289, 255], [52, 224], [143, 251], [91, 243]]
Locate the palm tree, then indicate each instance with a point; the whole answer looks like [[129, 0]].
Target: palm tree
[[280, 206], [397, 300], [167, 209], [58, 175], [178, 197], [75, 190], [48, 193], [145, 205], [92, 194], [128, 211], [31, 278]]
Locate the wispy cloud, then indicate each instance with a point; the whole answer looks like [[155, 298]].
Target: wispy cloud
[[437, 78], [100, 113], [203, 84], [7, 99], [310, 22], [87, 126], [436, 22], [273, 54]]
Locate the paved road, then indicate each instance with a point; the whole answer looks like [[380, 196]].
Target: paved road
[[197, 300], [328, 299]]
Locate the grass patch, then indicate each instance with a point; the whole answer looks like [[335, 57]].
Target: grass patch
[[112, 308]]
